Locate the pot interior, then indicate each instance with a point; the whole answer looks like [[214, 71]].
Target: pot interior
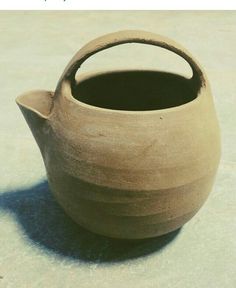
[[135, 90]]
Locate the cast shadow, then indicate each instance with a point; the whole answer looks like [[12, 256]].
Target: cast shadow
[[48, 227]]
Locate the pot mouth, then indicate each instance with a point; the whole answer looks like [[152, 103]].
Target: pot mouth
[[135, 91]]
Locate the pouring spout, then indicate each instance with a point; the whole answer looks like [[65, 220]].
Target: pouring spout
[[36, 107]]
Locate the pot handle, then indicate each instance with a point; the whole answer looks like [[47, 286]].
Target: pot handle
[[128, 36]]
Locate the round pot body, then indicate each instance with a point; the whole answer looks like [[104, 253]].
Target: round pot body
[[131, 169]]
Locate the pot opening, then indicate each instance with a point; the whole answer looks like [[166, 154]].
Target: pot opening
[[135, 90]]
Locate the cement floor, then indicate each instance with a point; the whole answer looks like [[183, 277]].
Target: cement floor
[[39, 245]]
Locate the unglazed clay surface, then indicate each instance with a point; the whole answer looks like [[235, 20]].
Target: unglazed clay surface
[[129, 154]]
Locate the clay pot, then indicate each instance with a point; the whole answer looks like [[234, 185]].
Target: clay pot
[[128, 154]]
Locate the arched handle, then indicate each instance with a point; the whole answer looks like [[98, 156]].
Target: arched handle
[[128, 36]]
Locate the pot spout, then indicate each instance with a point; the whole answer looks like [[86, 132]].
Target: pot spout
[[36, 107]]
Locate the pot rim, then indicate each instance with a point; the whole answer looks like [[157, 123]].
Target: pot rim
[[86, 75]]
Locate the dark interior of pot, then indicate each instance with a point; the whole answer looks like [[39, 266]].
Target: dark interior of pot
[[135, 90]]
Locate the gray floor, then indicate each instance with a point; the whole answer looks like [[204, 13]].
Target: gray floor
[[39, 245]]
